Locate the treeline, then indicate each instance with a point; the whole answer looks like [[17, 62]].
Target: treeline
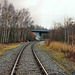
[[64, 32], [15, 25]]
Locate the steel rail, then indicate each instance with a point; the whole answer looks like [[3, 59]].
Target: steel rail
[[35, 55], [17, 60], [42, 67]]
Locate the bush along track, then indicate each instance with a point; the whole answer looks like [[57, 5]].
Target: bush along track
[[57, 57]]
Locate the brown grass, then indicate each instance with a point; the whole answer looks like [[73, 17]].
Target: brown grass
[[68, 50], [6, 47], [61, 53]]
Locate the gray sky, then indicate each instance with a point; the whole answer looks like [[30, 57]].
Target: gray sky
[[44, 12]]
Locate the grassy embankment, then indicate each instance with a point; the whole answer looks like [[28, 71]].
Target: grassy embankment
[[62, 49], [6, 47], [62, 53]]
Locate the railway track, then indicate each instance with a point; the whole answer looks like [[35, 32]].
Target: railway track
[[35, 60], [13, 70]]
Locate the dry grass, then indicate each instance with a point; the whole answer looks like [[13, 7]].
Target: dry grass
[[1, 53], [61, 53], [6, 47], [68, 50]]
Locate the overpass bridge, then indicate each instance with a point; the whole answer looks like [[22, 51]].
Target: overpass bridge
[[39, 33]]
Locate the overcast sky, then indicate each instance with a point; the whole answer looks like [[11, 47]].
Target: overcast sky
[[45, 12]]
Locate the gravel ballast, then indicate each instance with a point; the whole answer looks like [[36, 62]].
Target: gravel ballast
[[7, 60], [50, 66], [28, 64]]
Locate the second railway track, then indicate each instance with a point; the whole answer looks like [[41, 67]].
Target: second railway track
[[27, 62]]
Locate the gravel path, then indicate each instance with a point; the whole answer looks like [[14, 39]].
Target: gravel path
[[28, 64], [51, 67], [7, 61]]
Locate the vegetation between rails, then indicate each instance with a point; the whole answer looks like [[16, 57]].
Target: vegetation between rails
[[61, 53]]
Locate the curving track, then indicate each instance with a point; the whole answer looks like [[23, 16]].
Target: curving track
[[27, 62], [27, 59]]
